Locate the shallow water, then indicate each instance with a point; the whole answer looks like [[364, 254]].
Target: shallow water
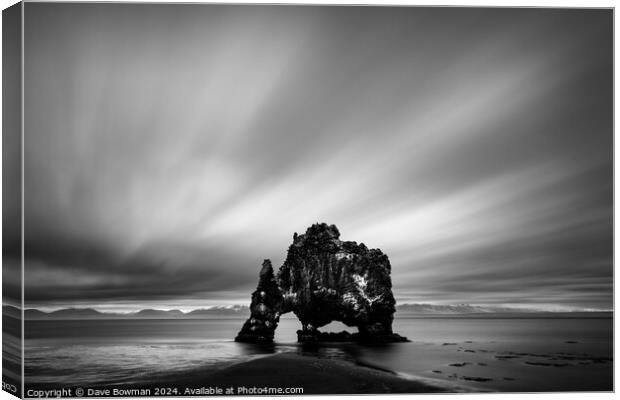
[[497, 354], [513, 355]]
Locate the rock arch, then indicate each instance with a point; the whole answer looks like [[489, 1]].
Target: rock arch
[[324, 279]]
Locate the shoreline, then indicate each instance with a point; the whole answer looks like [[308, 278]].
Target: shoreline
[[282, 371], [315, 375]]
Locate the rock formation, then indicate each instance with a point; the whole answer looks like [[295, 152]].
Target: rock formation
[[324, 279], [264, 310]]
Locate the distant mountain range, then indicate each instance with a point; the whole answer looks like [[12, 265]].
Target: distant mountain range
[[469, 311], [456, 309], [89, 313], [239, 311]]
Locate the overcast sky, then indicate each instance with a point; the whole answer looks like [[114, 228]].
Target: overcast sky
[[171, 148]]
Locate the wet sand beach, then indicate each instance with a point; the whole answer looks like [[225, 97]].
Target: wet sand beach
[[273, 374], [314, 374]]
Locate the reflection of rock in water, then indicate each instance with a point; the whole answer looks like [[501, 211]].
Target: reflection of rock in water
[[324, 279], [334, 352]]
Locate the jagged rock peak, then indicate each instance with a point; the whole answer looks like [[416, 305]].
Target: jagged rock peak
[[317, 235], [266, 272]]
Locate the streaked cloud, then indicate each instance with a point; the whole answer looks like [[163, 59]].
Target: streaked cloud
[[171, 148]]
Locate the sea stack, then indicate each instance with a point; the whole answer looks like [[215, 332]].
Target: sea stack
[[324, 279], [265, 309]]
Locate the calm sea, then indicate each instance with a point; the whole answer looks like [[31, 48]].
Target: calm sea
[[499, 354]]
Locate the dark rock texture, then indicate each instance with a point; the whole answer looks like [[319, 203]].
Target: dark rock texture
[[324, 279], [264, 310]]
